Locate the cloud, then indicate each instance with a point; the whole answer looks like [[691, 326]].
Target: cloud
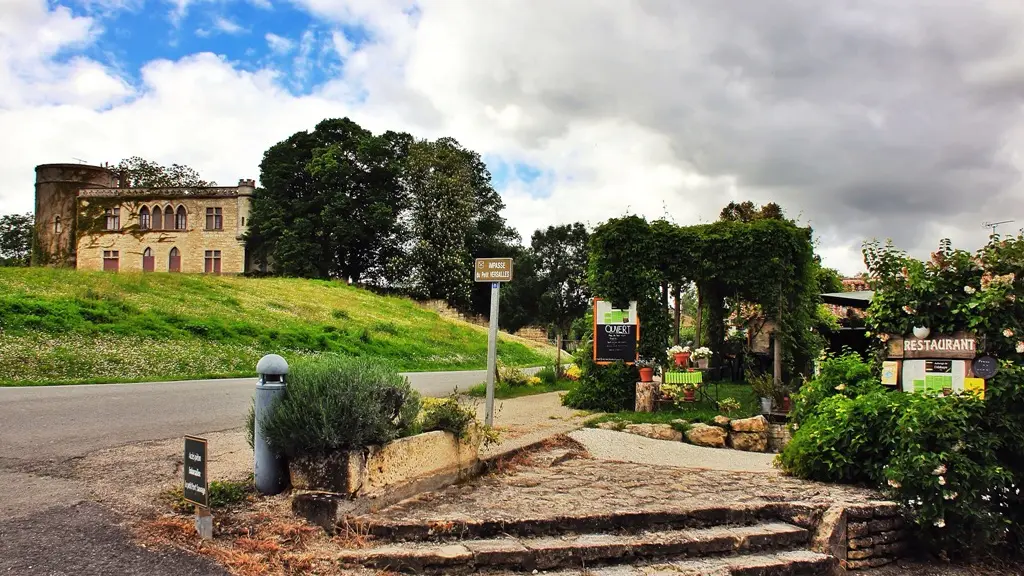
[[869, 120]]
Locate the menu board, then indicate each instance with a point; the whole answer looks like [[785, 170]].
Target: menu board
[[616, 332], [934, 376]]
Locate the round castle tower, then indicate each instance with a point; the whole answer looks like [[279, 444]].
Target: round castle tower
[[57, 187]]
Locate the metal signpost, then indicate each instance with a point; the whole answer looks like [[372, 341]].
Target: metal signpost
[[196, 488], [495, 271]]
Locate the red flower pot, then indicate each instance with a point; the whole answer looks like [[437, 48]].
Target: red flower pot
[[647, 374], [682, 358], [785, 405], [689, 395]]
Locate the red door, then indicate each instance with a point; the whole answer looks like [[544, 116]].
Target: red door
[[148, 265], [174, 262]]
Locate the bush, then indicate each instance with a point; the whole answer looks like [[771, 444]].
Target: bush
[[548, 376], [606, 388], [449, 415], [846, 374], [511, 376], [847, 439], [339, 404]]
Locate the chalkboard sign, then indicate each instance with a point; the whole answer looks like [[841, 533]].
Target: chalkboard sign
[[196, 488], [985, 367], [616, 332]]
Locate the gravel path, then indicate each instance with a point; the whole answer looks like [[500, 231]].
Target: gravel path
[[623, 447]]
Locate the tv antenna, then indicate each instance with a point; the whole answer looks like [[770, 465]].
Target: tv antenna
[[80, 161], [993, 225]]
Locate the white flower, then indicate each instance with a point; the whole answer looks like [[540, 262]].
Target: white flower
[[883, 337], [1007, 332], [1020, 346], [969, 289], [894, 483], [942, 481], [941, 469], [940, 523], [949, 496]]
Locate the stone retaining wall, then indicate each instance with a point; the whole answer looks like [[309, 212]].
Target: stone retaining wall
[[778, 437], [876, 536]]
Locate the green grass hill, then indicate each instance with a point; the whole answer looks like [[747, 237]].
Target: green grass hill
[[67, 326]]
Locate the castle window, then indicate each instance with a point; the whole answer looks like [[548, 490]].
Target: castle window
[[157, 218], [180, 219], [111, 259], [168, 218], [147, 260], [214, 219], [144, 218], [174, 261], [113, 218], [212, 262], [57, 227]]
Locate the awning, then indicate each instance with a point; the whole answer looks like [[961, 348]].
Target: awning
[[859, 299]]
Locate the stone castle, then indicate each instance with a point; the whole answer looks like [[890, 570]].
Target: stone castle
[[85, 220]]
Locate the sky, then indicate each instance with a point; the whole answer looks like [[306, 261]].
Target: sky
[[864, 119]]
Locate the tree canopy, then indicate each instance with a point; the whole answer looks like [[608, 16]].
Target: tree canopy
[[136, 172], [15, 239]]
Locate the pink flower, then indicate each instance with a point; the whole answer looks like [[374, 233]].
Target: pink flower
[[939, 470], [1008, 333], [1020, 347], [908, 309]]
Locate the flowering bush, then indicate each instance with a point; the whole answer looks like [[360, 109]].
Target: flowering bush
[[702, 352], [533, 381], [573, 372], [677, 349]]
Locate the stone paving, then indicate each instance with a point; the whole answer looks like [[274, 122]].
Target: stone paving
[[551, 486]]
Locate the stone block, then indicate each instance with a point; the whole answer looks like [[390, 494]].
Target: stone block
[[830, 535], [722, 421], [878, 526], [856, 529], [868, 563], [755, 424], [656, 431], [704, 435], [749, 441], [860, 554]]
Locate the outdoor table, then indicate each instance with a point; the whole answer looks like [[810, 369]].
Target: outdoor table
[[695, 376]]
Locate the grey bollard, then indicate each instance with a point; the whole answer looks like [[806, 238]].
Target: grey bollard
[[271, 469]]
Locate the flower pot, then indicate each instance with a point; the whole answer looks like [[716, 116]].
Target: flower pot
[[766, 405], [682, 358], [702, 363], [921, 332], [647, 374], [689, 395], [786, 405]]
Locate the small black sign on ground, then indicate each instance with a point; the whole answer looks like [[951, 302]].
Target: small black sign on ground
[[196, 488]]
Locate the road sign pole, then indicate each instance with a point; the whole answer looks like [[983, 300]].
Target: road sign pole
[[492, 352]]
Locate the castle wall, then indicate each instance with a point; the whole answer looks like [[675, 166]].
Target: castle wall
[[57, 187]]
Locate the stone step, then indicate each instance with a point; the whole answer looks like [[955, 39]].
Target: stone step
[[576, 550], [789, 563], [464, 529]]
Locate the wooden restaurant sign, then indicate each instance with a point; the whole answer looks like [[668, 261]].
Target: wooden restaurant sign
[[960, 346]]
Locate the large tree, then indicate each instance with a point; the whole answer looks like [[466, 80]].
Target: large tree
[[15, 239], [136, 172], [562, 255]]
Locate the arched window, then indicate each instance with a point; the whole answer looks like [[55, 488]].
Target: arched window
[[168, 218], [157, 218], [144, 218], [181, 219], [57, 227], [147, 260], [174, 261]]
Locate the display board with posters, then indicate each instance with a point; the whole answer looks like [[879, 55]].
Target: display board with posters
[[616, 332]]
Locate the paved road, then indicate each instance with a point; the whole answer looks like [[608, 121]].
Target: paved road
[[54, 423]]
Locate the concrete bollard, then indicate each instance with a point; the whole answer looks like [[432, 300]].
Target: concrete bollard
[[271, 469]]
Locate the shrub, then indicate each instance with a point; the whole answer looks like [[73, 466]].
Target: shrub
[[449, 415], [547, 376], [511, 376], [339, 404], [573, 372], [606, 388], [846, 374], [729, 406], [847, 439]]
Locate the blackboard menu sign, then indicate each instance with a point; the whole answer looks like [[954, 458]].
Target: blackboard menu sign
[[196, 488], [616, 333]]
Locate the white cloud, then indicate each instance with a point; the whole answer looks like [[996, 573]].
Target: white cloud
[[279, 44], [227, 26], [679, 109]]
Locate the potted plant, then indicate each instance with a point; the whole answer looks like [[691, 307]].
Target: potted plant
[[689, 392], [763, 386], [921, 332], [680, 354], [782, 394], [646, 369], [702, 355]]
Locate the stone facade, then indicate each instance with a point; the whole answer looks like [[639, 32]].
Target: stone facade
[[876, 536], [73, 202]]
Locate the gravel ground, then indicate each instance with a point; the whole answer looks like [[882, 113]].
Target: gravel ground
[[623, 447]]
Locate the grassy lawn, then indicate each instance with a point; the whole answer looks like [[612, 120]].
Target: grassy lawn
[[695, 412], [504, 392], [70, 327]]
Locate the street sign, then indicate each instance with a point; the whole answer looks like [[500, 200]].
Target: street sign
[[493, 270], [196, 488], [616, 333]]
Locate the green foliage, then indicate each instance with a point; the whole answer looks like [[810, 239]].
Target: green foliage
[[340, 404], [136, 172], [547, 376], [696, 412], [504, 391], [840, 375], [448, 414], [606, 388], [16, 234], [729, 406], [67, 326], [222, 494], [562, 255]]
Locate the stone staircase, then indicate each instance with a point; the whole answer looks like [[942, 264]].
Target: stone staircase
[[678, 545]]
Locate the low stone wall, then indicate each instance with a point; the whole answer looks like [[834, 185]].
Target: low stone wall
[[778, 437], [876, 536]]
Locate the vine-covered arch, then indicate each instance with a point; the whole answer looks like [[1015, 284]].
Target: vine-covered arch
[[768, 262]]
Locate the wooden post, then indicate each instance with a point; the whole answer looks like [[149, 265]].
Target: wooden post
[[700, 315], [645, 392], [558, 355], [204, 522], [778, 343], [679, 308]]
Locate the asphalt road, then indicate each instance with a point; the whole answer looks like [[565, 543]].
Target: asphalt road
[[54, 423]]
